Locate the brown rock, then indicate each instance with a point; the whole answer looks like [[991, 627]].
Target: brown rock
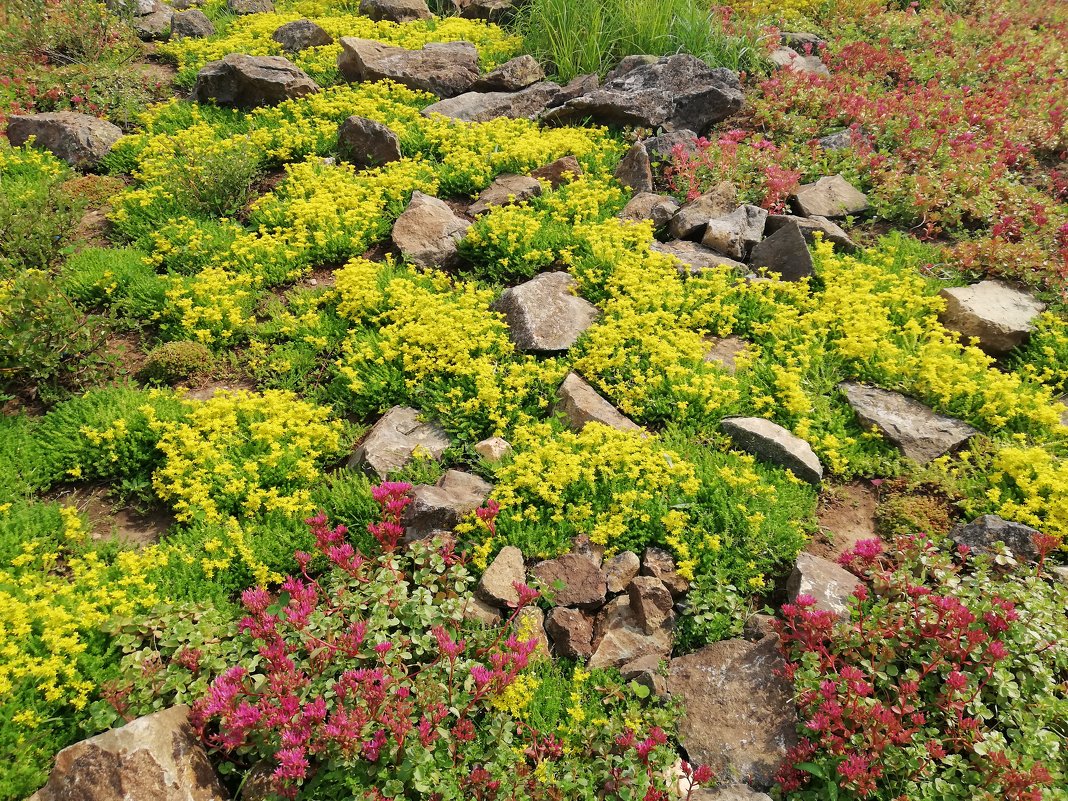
[[441, 506], [648, 206], [580, 404], [390, 445], [367, 143], [427, 233], [572, 580], [571, 632], [248, 81], [620, 569], [300, 35], [619, 638], [505, 190], [645, 670], [445, 69], [651, 602], [692, 219], [478, 611], [493, 449], [634, 170], [660, 564], [832, 196], [758, 626], [725, 352], [829, 584], [81, 140], [558, 172], [496, 587], [395, 10], [511, 76], [530, 622]]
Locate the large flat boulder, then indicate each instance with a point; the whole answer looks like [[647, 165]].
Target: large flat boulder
[[300, 35], [428, 233], [81, 140], [367, 143], [247, 81], [999, 315], [982, 533], [445, 69], [544, 315], [772, 443], [395, 438], [572, 580], [505, 190], [395, 10], [485, 106], [831, 196], [511, 76], [695, 259]]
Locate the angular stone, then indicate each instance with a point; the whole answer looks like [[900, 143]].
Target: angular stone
[[729, 792], [395, 10], [694, 259], [367, 143], [493, 449], [583, 546], [999, 315], [504, 191], [772, 443], [920, 433], [478, 611], [300, 35], [842, 140], [427, 232], [784, 252], [241, 7], [662, 148], [157, 757], [831, 196], [395, 438], [572, 580], [486, 106], [445, 69], [830, 584], [645, 670], [736, 233], [660, 564], [544, 315], [496, 587], [981, 534], [530, 622], [580, 404], [620, 569], [634, 170], [558, 172], [249, 81], [496, 11], [619, 638], [692, 218], [651, 602], [154, 27], [808, 226], [758, 626], [511, 76], [80, 140], [725, 352], [806, 43], [739, 714], [576, 87], [790, 60], [441, 506], [571, 632], [647, 206], [1060, 573], [192, 24], [672, 92]]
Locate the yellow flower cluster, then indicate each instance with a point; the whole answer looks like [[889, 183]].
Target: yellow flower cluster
[[27, 162], [1031, 487], [517, 696]]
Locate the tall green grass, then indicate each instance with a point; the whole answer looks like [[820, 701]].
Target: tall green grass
[[573, 37]]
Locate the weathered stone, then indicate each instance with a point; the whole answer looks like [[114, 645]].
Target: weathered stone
[[808, 226], [736, 233], [673, 92], [427, 232], [571, 632], [634, 170], [478, 611], [576, 87], [1060, 573], [367, 143], [660, 564], [772, 443], [651, 602], [725, 352], [558, 172], [78, 139], [441, 506], [831, 196], [693, 258], [242, 7], [395, 438], [154, 27], [842, 140], [739, 714], [504, 191], [493, 449], [829, 584], [300, 35], [647, 206], [620, 569], [445, 69], [729, 792], [192, 24], [249, 81], [395, 10], [511, 76], [784, 252], [496, 11], [692, 218], [485, 106], [920, 433], [572, 580], [645, 670], [580, 404], [157, 757], [618, 637], [982, 533], [999, 315], [790, 60], [544, 315], [496, 587], [758, 626], [806, 43], [584, 546], [662, 148]]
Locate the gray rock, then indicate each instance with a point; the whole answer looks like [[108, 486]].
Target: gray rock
[[496, 587], [808, 226], [192, 24], [242, 7], [511, 76], [920, 433], [1000, 316], [634, 170], [645, 670], [693, 258], [1060, 573], [619, 638], [577, 87], [580, 404], [736, 233], [427, 232], [445, 69], [772, 443], [496, 11], [572, 580], [249, 81], [441, 506], [478, 611], [662, 148], [758, 626], [806, 43], [558, 172], [692, 218], [392, 441], [739, 714], [78, 139], [831, 196], [729, 792], [982, 533], [544, 315], [790, 60], [485, 106], [660, 564], [784, 252], [673, 92], [651, 601], [571, 632], [300, 35], [504, 191], [182, 5], [367, 143], [830, 584], [154, 27], [725, 352], [842, 140], [158, 757], [395, 10], [647, 206], [620, 569], [493, 449]]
